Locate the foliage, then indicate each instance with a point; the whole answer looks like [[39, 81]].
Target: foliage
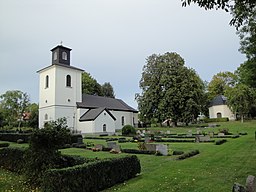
[[4, 145], [94, 176], [107, 90], [223, 119], [128, 130], [188, 154], [178, 152], [12, 159], [34, 115], [220, 83], [43, 152], [90, 85], [136, 151], [13, 137], [166, 93], [220, 142], [13, 105], [240, 99]]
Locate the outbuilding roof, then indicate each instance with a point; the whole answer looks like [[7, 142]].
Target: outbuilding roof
[[219, 100], [92, 114], [92, 102]]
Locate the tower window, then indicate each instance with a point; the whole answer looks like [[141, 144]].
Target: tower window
[[55, 56], [64, 55], [46, 81], [46, 117], [68, 81]]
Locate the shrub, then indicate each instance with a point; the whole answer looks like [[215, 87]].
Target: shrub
[[219, 142], [178, 152], [189, 154], [135, 151], [128, 130], [12, 159], [223, 119], [19, 141], [13, 137], [75, 137], [4, 145], [93, 176]]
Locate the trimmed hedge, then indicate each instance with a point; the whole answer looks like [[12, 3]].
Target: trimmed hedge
[[178, 152], [224, 119], [12, 159], [221, 142], [135, 151], [13, 137], [4, 145], [90, 177], [189, 154]]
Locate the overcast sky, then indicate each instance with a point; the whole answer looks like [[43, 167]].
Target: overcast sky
[[111, 40]]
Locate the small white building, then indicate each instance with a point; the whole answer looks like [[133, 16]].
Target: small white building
[[219, 108], [60, 95]]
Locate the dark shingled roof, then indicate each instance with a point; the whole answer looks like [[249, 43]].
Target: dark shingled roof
[[92, 114], [92, 101], [219, 100]]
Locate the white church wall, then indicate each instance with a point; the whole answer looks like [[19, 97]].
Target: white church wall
[[104, 118], [128, 118], [86, 127]]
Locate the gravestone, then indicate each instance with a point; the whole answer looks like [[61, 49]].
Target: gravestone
[[138, 132], [221, 134], [251, 183], [99, 146], [147, 139], [211, 134], [198, 131], [204, 138], [197, 140], [163, 149], [143, 131], [189, 133], [168, 132], [111, 145]]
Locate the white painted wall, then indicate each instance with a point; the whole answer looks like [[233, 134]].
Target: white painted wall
[[223, 109], [104, 118], [86, 127], [129, 118]]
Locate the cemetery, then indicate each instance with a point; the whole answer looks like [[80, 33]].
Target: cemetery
[[177, 159]]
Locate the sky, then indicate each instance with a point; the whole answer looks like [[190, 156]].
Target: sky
[[111, 39]]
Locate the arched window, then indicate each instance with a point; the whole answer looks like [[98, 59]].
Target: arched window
[[104, 128], [219, 115], [46, 81], [68, 81], [122, 120], [46, 116], [64, 55]]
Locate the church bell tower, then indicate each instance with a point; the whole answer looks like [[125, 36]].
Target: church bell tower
[[59, 88]]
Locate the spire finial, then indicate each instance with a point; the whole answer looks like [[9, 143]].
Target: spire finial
[[61, 43]]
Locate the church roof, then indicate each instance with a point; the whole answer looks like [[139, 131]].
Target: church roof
[[92, 101], [62, 65], [92, 114], [218, 100]]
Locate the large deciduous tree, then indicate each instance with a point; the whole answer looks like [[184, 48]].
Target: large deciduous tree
[[90, 85], [220, 82], [107, 90], [170, 89], [241, 99], [14, 104]]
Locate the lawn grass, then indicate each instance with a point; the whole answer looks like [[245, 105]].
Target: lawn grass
[[215, 169]]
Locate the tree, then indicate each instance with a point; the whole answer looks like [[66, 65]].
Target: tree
[[34, 115], [166, 93], [90, 85], [14, 104], [220, 82], [241, 99], [107, 90]]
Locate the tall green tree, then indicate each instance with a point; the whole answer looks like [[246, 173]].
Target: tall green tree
[[220, 82], [90, 85], [107, 90], [34, 115], [14, 104], [166, 93], [241, 99]]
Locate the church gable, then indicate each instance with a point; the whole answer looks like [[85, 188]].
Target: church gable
[[92, 114]]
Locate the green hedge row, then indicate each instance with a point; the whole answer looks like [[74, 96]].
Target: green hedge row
[[189, 154], [219, 142], [223, 119], [12, 159], [13, 137], [4, 144], [135, 151], [90, 177]]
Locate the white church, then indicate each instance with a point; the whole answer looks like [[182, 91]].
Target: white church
[[60, 95]]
